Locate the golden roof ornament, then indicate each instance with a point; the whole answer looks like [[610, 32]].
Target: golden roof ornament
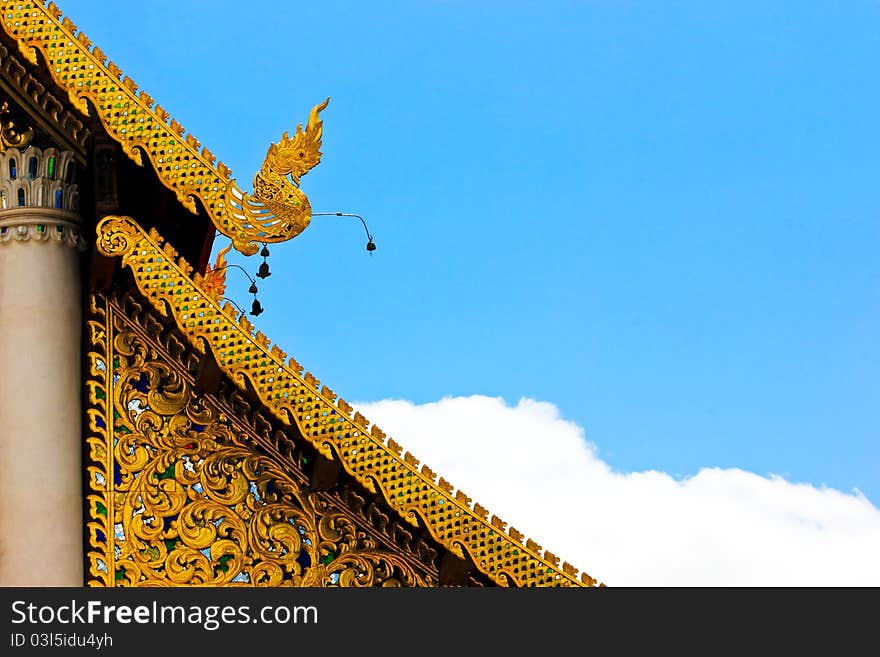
[[276, 211], [214, 282], [278, 206]]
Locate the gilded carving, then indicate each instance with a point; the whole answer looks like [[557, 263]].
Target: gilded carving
[[185, 491], [278, 204], [295, 399], [215, 276]]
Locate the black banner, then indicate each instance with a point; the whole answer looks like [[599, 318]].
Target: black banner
[[397, 621]]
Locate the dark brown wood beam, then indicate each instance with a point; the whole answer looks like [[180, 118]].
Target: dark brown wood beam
[[105, 163], [454, 571], [325, 473], [209, 375], [101, 271]]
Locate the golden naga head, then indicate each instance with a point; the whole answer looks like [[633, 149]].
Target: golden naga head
[[295, 156], [278, 209]]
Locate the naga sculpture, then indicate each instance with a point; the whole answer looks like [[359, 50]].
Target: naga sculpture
[[278, 205]]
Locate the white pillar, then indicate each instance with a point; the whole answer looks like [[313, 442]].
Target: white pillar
[[41, 476]]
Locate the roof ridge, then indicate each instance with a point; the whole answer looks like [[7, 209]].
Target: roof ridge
[[325, 419]]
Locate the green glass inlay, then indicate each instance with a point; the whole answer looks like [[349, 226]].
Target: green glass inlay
[[168, 474], [223, 563], [51, 168], [327, 558], [100, 394], [170, 543], [101, 509], [120, 574]]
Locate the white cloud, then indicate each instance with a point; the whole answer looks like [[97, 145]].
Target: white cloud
[[720, 527]]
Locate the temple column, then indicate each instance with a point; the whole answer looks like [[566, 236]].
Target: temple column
[[41, 480]]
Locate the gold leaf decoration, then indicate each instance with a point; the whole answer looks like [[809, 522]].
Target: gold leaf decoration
[[184, 492]]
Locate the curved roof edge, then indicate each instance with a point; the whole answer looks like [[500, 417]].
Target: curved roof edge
[[325, 420]]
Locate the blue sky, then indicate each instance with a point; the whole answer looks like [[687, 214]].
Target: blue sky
[[662, 218]]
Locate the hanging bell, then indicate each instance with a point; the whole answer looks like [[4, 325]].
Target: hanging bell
[[253, 288], [265, 251], [256, 308], [371, 246], [263, 272]]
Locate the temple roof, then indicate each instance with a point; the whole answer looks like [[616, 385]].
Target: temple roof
[[148, 136], [374, 460]]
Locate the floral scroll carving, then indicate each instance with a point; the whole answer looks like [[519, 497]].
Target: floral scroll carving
[[186, 491]]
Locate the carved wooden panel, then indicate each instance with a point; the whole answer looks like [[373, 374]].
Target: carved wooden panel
[[200, 489]]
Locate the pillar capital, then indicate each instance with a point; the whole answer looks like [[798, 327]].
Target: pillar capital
[[38, 178], [39, 197]]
